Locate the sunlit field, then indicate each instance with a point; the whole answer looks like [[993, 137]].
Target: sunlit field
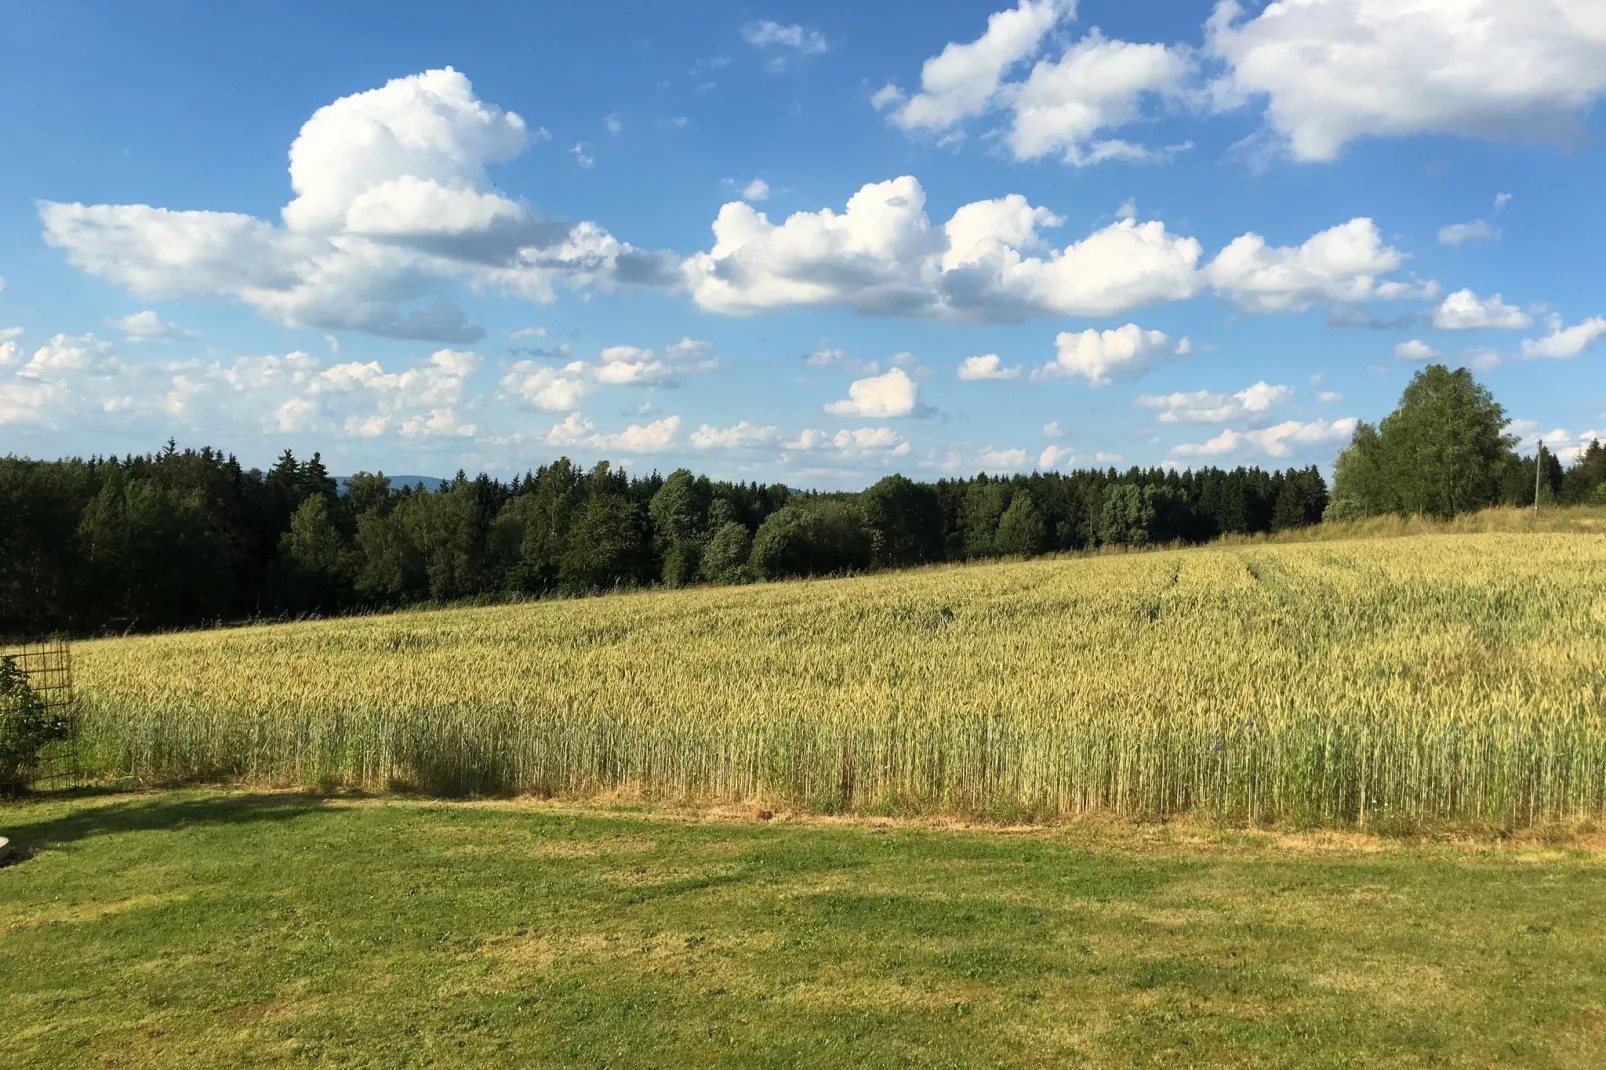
[[1436, 678]]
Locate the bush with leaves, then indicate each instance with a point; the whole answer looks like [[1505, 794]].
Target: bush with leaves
[[726, 558], [26, 726]]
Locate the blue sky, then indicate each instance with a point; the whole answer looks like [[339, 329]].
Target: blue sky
[[804, 242]]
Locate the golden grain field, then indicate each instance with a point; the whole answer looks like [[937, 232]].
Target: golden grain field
[[1439, 677]]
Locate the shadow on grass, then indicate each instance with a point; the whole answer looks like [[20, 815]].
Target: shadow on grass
[[146, 813]]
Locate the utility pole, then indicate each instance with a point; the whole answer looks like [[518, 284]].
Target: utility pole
[[1539, 462]]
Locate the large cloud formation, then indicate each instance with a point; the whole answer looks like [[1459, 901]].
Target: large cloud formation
[[883, 256], [1332, 71], [392, 199], [1329, 72], [1062, 107]]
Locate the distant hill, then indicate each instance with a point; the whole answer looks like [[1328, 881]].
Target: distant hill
[[398, 482]]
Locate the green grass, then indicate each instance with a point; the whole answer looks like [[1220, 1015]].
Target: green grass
[[204, 928]]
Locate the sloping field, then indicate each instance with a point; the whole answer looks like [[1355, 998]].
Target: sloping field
[[1451, 678]]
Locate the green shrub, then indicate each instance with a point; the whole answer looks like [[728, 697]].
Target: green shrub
[[26, 726]]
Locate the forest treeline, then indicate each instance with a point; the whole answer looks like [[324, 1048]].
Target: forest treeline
[[186, 537]]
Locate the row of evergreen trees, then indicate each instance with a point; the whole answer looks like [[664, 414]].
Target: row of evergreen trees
[[184, 537], [180, 538]]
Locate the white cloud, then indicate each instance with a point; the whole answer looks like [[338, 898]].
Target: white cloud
[[562, 389], [969, 459], [578, 432], [549, 389], [1201, 406], [883, 256], [743, 435], [1107, 458], [1565, 343], [850, 445], [827, 357], [1053, 429], [628, 365], [147, 326], [612, 123], [529, 332], [1463, 311], [961, 81], [1566, 446], [1004, 460], [764, 33], [1342, 264], [1329, 397], [1054, 456], [1063, 104], [581, 155], [1415, 349], [1228, 441], [892, 394], [988, 366], [392, 201], [1278, 440], [76, 378], [1336, 70], [756, 190], [1096, 85], [1456, 234], [1102, 356]]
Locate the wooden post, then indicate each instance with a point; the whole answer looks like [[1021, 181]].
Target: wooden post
[[1539, 461]]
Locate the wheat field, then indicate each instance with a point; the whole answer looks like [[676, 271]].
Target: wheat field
[[1443, 677]]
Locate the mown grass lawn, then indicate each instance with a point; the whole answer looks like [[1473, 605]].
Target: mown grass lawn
[[208, 928]]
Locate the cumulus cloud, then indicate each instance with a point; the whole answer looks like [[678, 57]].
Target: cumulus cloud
[[1054, 456], [883, 256], [147, 326], [1063, 105], [892, 394], [743, 435], [1343, 265], [1279, 440], [848, 445], [1202, 406], [1096, 85], [1415, 349], [1332, 71], [550, 389], [1565, 343], [1463, 311], [1456, 234], [1566, 446], [1052, 429], [392, 201], [985, 459], [756, 190], [577, 432], [1102, 356], [628, 365], [562, 389], [987, 366], [77, 377]]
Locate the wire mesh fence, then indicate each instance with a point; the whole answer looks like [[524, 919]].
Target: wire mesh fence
[[48, 666]]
